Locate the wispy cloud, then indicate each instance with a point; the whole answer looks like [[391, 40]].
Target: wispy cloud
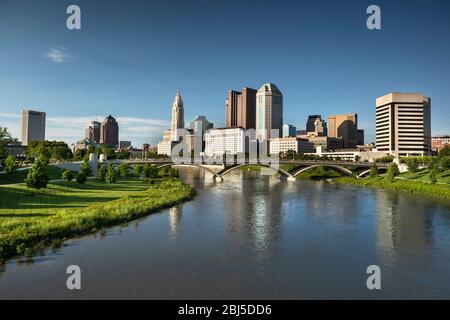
[[58, 55]]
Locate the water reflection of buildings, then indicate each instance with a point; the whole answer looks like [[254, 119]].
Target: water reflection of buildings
[[258, 216], [403, 226], [175, 216]]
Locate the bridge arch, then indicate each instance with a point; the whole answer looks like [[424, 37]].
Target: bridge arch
[[234, 167], [215, 174], [338, 168]]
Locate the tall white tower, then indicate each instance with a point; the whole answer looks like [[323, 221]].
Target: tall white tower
[[269, 111], [177, 116]]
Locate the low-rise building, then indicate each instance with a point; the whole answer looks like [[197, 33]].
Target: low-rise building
[[439, 142], [298, 145], [327, 143], [351, 155], [124, 145], [224, 140], [165, 148]]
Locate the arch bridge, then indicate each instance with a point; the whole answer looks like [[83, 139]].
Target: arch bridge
[[291, 174]]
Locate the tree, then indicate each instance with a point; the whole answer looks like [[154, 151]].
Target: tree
[[433, 178], [85, 168], [445, 163], [173, 173], [81, 177], [385, 159], [444, 152], [101, 173], [137, 170], [79, 154], [10, 166], [124, 169], [111, 174], [61, 152], [67, 175], [373, 171], [37, 177], [412, 163], [163, 172], [150, 171], [357, 158], [392, 172], [5, 138]]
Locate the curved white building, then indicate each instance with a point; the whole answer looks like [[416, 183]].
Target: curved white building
[[269, 111]]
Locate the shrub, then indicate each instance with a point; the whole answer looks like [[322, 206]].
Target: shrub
[[173, 173], [85, 166], [111, 174], [392, 172], [124, 169], [385, 159], [10, 166], [445, 163], [137, 170], [101, 173], [433, 176], [373, 171], [67, 175], [412, 163], [81, 177], [150, 171], [444, 152]]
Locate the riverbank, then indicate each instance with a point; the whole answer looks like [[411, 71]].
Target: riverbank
[[30, 224], [415, 187]]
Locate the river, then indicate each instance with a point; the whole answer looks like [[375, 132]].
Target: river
[[256, 238]]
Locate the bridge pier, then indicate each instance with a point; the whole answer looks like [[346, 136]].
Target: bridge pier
[[218, 178], [293, 179]]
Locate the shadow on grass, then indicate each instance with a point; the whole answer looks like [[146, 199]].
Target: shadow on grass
[[21, 198], [24, 215]]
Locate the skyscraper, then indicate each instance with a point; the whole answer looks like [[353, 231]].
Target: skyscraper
[[177, 116], [403, 124], [346, 127], [269, 111], [310, 127], [241, 108], [92, 132], [200, 124], [32, 126], [289, 131], [109, 132]]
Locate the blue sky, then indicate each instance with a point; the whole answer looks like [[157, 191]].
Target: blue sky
[[130, 58]]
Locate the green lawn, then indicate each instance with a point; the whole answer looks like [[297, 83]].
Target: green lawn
[[19, 177], [67, 209], [417, 187], [424, 175]]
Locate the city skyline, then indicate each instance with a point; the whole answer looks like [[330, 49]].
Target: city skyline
[[74, 75]]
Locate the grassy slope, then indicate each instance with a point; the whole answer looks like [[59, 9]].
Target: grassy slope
[[19, 177], [424, 175], [64, 210], [428, 189]]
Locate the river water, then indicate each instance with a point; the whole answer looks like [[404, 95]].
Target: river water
[[256, 238]]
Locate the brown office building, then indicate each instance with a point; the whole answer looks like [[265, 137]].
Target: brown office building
[[109, 132], [403, 124], [92, 132], [241, 108], [344, 126]]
